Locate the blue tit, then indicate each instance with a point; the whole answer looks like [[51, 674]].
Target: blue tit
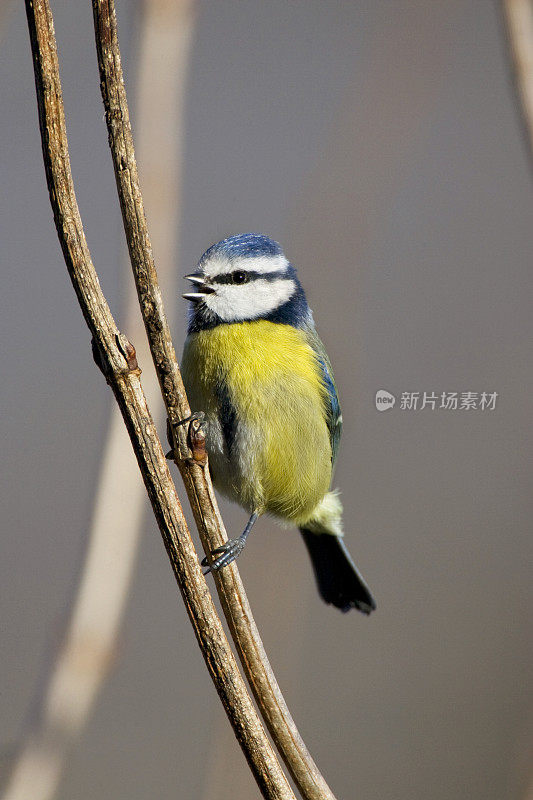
[[253, 363]]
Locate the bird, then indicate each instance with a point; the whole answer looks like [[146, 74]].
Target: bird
[[254, 367]]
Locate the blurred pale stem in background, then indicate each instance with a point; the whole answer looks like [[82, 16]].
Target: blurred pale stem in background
[[89, 643], [519, 21], [519, 24]]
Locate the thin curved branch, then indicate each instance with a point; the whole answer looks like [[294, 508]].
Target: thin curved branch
[[195, 476], [88, 646], [519, 22], [117, 360]]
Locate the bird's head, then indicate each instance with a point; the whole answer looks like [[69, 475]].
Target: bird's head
[[244, 278]]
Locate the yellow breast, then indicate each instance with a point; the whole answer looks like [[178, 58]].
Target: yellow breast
[[281, 460]]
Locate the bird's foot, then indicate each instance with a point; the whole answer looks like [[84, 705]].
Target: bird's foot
[[230, 549], [226, 553], [198, 416]]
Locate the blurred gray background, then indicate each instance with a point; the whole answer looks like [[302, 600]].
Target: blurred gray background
[[379, 142]]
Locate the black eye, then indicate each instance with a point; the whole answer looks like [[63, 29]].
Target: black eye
[[239, 276]]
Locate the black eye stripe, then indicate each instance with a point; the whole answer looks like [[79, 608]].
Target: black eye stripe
[[228, 278], [239, 277]]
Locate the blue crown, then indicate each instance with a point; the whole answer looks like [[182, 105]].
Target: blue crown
[[247, 245]]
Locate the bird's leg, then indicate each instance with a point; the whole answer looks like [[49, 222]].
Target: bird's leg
[[229, 551]]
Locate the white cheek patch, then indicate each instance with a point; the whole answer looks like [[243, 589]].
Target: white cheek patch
[[219, 265], [249, 300]]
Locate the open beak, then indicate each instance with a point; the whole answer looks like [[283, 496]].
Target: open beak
[[202, 289]]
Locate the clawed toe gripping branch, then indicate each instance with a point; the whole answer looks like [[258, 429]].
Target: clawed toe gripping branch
[[230, 550], [116, 358]]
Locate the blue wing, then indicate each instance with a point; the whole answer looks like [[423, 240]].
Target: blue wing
[[332, 410]]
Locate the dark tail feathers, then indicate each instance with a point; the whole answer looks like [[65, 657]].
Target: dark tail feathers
[[337, 577]]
